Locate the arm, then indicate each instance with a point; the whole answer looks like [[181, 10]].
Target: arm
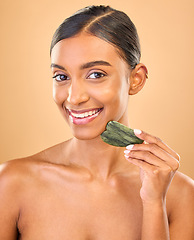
[[158, 164], [180, 224], [8, 204], [155, 222], [181, 218]]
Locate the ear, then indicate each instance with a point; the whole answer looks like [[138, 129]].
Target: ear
[[137, 78]]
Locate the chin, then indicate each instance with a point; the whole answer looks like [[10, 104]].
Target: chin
[[88, 133]]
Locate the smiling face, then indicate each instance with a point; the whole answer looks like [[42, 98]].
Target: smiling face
[[91, 84]]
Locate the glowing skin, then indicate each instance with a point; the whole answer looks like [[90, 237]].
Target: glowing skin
[[84, 188], [81, 89]]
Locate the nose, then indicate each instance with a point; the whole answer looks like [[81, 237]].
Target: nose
[[77, 93]]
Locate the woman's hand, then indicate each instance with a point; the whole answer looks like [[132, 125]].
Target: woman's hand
[[158, 164]]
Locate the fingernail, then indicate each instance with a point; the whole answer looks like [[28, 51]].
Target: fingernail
[[137, 131], [126, 151], [129, 147]]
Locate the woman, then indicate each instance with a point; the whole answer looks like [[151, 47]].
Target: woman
[[84, 188]]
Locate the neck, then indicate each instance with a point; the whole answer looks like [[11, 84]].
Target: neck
[[99, 158]]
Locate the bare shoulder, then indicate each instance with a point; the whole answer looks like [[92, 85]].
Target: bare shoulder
[[181, 191], [23, 172], [180, 198], [21, 182], [23, 168], [180, 207], [13, 176], [14, 172], [182, 186]]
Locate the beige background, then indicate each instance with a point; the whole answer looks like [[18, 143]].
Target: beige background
[[30, 121]]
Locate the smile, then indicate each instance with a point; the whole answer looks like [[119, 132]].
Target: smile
[[86, 114], [83, 116]]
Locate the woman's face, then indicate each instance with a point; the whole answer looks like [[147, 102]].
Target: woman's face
[[91, 84]]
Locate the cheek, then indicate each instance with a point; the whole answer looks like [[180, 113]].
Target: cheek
[[112, 92], [113, 97], [117, 99], [59, 95]]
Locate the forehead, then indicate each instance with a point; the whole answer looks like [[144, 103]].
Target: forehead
[[84, 48]]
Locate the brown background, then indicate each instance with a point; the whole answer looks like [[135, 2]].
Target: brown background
[[30, 121]]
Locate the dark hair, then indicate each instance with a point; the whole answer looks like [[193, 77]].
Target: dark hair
[[106, 23]]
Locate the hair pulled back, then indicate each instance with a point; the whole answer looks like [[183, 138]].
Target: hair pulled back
[[106, 23]]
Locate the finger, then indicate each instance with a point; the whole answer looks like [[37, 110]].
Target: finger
[[146, 156], [149, 168], [152, 139], [156, 151]]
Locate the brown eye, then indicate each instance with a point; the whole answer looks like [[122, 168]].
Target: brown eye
[[61, 77], [96, 75]]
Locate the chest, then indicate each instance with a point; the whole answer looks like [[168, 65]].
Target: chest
[[81, 212]]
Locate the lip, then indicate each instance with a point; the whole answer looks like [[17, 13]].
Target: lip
[[83, 119]]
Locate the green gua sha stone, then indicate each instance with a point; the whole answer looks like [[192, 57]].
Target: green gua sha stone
[[119, 135]]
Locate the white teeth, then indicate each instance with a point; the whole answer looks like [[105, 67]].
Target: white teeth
[[83, 115], [71, 119]]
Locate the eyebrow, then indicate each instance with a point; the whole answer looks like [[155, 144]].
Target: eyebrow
[[95, 63], [85, 65], [53, 65]]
